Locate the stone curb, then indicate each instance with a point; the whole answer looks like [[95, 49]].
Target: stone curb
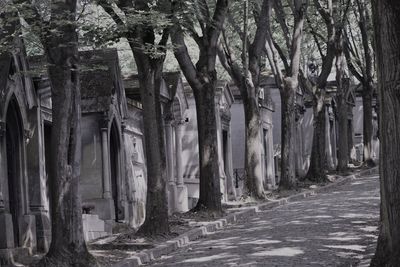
[[184, 239]]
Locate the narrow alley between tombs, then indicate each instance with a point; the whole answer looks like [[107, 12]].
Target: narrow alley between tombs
[[337, 228]]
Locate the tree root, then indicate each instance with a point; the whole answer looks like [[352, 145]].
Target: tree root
[[200, 208], [84, 259]]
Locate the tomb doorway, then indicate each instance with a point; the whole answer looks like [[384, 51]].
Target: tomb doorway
[[14, 143]]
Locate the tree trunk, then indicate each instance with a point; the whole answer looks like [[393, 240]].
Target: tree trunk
[[367, 127], [343, 147], [210, 192], [253, 161], [387, 40], [150, 67], [290, 83], [341, 95], [150, 75], [68, 247], [288, 170], [318, 162], [343, 127], [202, 78]]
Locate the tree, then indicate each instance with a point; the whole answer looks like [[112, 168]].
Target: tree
[[202, 78], [247, 79], [361, 66], [149, 57], [333, 18], [288, 84], [386, 21], [58, 34], [342, 93]]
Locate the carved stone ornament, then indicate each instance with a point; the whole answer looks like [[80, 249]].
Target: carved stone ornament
[[104, 122]]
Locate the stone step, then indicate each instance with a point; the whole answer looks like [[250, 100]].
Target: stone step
[[93, 227], [94, 235]]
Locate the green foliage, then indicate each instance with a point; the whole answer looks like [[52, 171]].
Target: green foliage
[[98, 30]]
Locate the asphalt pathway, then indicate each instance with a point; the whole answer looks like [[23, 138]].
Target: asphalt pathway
[[337, 228]]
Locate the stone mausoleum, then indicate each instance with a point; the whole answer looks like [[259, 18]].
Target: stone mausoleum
[[20, 210], [113, 171]]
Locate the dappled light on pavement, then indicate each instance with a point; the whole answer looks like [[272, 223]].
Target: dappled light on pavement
[[337, 228]]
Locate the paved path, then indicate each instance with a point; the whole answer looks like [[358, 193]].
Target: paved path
[[337, 228]]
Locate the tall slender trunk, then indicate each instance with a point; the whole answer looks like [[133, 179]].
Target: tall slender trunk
[[367, 127], [202, 77], [343, 146], [288, 170], [68, 247], [343, 127], [150, 75], [387, 39], [150, 67], [341, 94], [210, 192], [253, 161], [252, 113], [290, 83], [318, 161]]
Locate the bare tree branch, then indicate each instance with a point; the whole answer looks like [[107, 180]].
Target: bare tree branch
[[111, 12], [281, 17], [326, 16]]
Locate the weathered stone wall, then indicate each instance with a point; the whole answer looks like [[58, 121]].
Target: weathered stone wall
[[17, 98], [190, 154], [135, 166], [268, 147], [238, 135], [91, 185]]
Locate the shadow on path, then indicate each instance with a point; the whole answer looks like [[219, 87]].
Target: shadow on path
[[338, 228]]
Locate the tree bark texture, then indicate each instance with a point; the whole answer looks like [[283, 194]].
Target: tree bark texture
[[68, 247], [203, 85], [288, 84], [318, 156], [364, 75], [252, 112], [318, 161], [253, 161], [341, 96], [210, 192], [247, 80], [150, 75], [150, 69], [386, 16], [367, 82], [288, 171], [254, 181], [343, 127], [202, 78], [288, 99]]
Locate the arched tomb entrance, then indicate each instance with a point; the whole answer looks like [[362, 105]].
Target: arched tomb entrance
[[115, 164], [14, 143]]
